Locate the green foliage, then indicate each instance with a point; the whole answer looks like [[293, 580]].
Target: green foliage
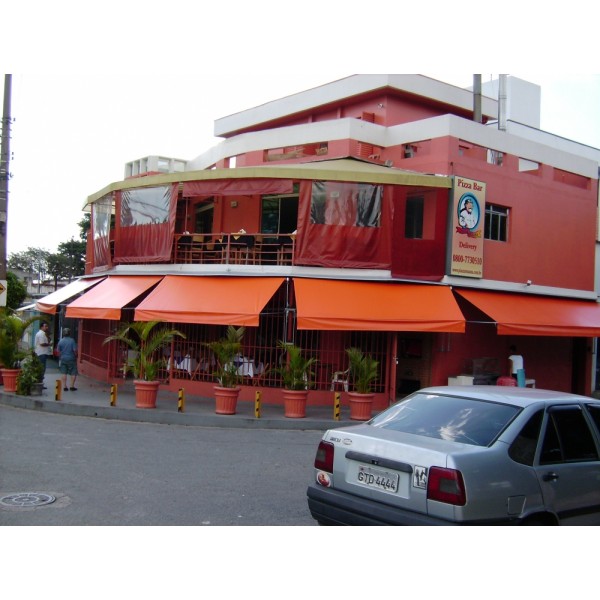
[[145, 339], [297, 371], [32, 371], [16, 291], [364, 370], [225, 351], [12, 329]]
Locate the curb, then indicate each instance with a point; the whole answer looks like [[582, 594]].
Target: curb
[[163, 417]]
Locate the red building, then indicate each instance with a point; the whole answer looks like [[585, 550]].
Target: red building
[[387, 212]]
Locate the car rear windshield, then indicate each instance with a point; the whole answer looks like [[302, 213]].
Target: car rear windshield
[[463, 420]]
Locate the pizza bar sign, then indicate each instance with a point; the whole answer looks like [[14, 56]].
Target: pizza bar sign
[[466, 258]]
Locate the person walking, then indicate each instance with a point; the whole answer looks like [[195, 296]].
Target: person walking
[[67, 353], [43, 346]]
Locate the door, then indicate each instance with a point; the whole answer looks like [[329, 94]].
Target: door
[[569, 467]]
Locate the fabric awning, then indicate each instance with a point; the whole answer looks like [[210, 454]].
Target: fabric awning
[[106, 300], [209, 300], [48, 304], [520, 314], [374, 306]]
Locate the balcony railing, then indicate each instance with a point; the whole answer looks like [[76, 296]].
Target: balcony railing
[[234, 248]]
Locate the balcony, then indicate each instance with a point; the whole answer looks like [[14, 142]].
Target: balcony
[[234, 248]]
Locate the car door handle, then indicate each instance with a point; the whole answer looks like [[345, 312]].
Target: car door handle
[[550, 476]]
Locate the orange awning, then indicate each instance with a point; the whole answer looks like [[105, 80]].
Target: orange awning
[[106, 300], [374, 306], [48, 303], [520, 314], [208, 300]]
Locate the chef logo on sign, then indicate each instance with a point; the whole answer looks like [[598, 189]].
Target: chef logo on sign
[[469, 215]]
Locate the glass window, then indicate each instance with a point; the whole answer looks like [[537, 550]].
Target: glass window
[[413, 227], [279, 214], [350, 204], [594, 411], [522, 450], [568, 437], [463, 420], [496, 223]]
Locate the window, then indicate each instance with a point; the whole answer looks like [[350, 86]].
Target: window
[[349, 204], [461, 420], [413, 226], [522, 450], [496, 223], [568, 437], [594, 411], [279, 214]]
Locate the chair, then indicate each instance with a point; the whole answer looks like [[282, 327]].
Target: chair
[[196, 248], [342, 377], [260, 376]]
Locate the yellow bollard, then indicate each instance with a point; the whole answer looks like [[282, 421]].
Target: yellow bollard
[[57, 390], [257, 405], [336, 406], [181, 400], [113, 394]]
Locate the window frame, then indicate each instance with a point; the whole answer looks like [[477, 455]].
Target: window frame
[[502, 215]]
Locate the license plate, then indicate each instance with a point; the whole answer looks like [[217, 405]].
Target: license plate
[[376, 478]]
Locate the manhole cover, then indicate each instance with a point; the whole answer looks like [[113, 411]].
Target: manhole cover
[[27, 499]]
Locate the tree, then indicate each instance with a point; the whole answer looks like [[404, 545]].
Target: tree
[[16, 292], [33, 261], [74, 252], [85, 225]]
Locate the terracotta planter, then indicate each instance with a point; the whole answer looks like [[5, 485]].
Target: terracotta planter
[[9, 377], [294, 403], [226, 400], [361, 406], [146, 393]]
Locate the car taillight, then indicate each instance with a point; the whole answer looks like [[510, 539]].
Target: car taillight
[[324, 457], [446, 485]]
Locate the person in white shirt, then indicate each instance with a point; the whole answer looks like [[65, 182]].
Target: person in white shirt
[[42, 344], [516, 362]]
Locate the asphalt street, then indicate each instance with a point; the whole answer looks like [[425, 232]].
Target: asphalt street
[[113, 472]]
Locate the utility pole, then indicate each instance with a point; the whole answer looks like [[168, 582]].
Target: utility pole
[[4, 177]]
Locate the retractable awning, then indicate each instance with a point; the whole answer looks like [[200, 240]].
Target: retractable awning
[[106, 300], [374, 306], [520, 314], [48, 304], [209, 300]]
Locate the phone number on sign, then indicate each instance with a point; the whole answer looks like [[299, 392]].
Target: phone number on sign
[[472, 260]]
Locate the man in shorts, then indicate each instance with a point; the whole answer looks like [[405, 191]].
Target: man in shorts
[[67, 353]]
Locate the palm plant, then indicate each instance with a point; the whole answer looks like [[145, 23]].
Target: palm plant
[[225, 351], [145, 342], [12, 329], [364, 370], [296, 373]]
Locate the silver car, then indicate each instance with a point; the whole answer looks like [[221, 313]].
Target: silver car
[[464, 455]]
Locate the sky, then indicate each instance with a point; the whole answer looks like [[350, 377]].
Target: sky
[[91, 94], [73, 133]]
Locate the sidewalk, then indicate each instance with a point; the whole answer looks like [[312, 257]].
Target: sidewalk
[[93, 399]]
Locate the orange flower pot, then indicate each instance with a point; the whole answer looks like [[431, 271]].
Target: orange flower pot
[[146, 393], [294, 403], [226, 400], [361, 406], [9, 377]]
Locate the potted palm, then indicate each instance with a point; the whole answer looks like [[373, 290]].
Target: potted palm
[[364, 370], [225, 351], [12, 329], [296, 374], [145, 339]]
